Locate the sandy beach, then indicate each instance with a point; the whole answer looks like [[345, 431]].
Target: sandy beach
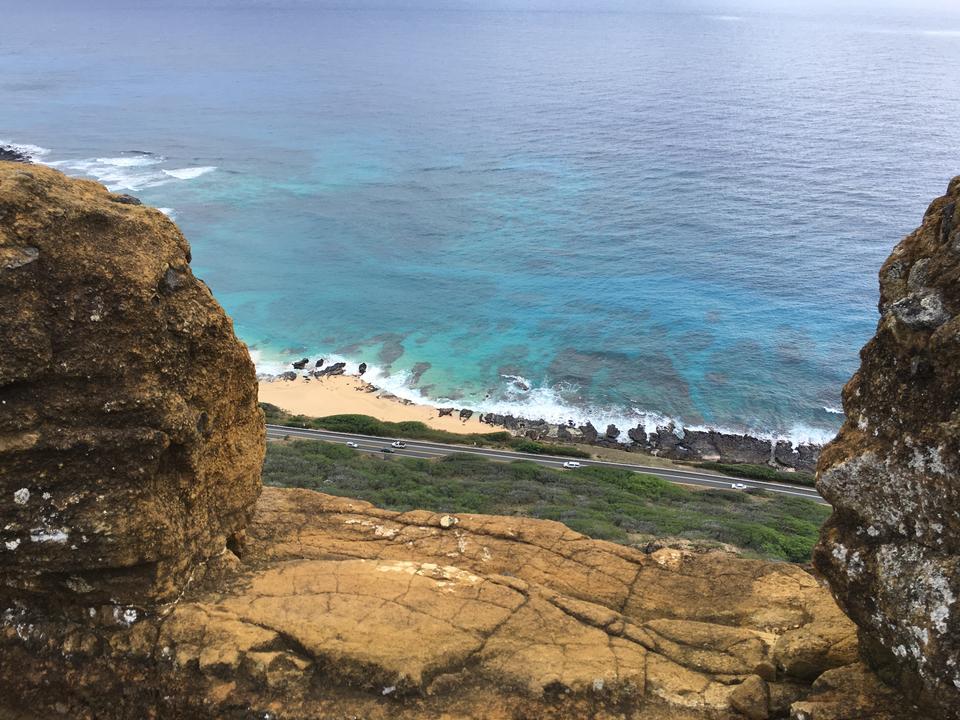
[[344, 394]]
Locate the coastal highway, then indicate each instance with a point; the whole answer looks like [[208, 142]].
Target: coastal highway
[[418, 449]]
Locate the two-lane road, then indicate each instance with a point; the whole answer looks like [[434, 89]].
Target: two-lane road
[[419, 449]]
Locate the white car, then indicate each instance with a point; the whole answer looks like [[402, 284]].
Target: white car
[[737, 486], [351, 443], [398, 444], [572, 465]]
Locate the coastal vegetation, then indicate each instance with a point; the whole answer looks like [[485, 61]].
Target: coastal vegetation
[[601, 502], [415, 430], [760, 472]]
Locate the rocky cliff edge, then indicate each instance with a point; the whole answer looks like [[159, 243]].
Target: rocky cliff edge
[[142, 577], [891, 550]]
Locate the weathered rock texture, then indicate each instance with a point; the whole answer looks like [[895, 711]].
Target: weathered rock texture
[[130, 439], [130, 447], [891, 550], [338, 609]]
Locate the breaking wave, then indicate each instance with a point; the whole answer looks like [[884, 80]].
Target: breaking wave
[[132, 170], [536, 403]]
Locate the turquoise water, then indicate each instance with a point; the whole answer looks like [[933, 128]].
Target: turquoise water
[[643, 214]]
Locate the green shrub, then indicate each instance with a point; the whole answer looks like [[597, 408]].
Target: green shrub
[[760, 472], [597, 500], [537, 448]]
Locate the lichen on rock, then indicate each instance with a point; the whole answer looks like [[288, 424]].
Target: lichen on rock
[[130, 451], [891, 549], [130, 439]]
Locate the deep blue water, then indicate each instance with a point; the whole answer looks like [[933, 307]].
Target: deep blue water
[[675, 213]]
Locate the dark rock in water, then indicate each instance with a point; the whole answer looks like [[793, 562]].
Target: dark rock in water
[[589, 433], [124, 199], [10, 154], [891, 548], [336, 369], [288, 375], [391, 348], [319, 363], [638, 435], [613, 432], [466, 414], [362, 369], [417, 371], [444, 412], [300, 364]]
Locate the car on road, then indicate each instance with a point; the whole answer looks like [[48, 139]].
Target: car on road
[[399, 444], [351, 443], [387, 450], [572, 465], [737, 486]]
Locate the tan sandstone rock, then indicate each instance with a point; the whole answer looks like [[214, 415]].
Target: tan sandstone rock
[[132, 426], [130, 439]]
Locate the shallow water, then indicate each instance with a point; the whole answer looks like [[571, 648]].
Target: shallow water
[[640, 215]]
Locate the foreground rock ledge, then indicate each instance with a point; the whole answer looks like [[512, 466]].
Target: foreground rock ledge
[[130, 439], [891, 550], [338, 609]]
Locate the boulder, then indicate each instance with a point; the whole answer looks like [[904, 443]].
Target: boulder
[[700, 444], [742, 448], [12, 154], [362, 368], [130, 440], [466, 414], [589, 433], [318, 363], [638, 435], [613, 432], [891, 549], [445, 412], [300, 364], [336, 369]]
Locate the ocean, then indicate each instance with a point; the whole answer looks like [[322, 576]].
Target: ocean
[[625, 217]]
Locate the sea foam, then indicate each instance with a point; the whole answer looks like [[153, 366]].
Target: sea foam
[[34, 152], [537, 403], [189, 173]]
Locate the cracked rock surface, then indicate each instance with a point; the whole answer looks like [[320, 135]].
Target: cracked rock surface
[[339, 609], [144, 576], [891, 549]]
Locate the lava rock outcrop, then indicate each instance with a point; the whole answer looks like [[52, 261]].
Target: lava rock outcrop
[[144, 575], [130, 438], [891, 549]]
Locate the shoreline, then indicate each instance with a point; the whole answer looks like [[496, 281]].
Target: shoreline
[[319, 395], [351, 395]]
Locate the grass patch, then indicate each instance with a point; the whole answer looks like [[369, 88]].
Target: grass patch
[[760, 472], [415, 430], [601, 502]]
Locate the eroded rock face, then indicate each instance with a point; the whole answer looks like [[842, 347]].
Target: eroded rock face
[[891, 550], [130, 439], [338, 609]]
